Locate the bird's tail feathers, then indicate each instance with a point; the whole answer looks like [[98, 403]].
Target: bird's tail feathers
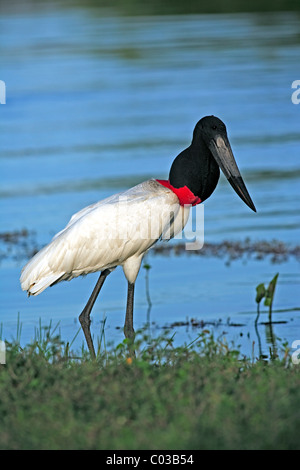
[[36, 276], [39, 286]]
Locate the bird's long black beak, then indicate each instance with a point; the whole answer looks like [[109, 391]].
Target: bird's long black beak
[[222, 153]]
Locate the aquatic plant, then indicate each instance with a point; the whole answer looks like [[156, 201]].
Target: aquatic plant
[[268, 295]]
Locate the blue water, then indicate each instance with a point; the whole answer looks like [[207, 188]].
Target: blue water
[[97, 103]]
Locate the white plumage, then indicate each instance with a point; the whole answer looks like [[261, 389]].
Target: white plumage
[[115, 231]]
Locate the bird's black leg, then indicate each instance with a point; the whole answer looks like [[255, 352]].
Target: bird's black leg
[[84, 317], [128, 327]]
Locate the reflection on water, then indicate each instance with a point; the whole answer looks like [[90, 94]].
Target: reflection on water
[[96, 104]]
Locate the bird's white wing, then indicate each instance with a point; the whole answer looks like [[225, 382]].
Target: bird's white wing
[[104, 235], [86, 210]]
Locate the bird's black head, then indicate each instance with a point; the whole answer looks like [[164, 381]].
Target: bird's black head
[[197, 167], [208, 128], [213, 132]]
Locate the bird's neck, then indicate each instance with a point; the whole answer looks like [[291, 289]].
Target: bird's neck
[[194, 174]]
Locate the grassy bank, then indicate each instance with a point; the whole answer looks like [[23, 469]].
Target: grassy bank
[[198, 397], [168, 7]]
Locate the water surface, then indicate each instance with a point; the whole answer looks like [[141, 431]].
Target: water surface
[[97, 103]]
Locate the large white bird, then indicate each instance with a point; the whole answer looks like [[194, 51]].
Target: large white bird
[[120, 229]]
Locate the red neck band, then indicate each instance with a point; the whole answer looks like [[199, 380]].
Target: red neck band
[[184, 194]]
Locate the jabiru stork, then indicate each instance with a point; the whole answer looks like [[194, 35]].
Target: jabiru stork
[[119, 230]]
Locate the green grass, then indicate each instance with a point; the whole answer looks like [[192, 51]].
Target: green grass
[[202, 396], [173, 7]]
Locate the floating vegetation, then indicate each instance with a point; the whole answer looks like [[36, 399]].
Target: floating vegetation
[[232, 250], [22, 245], [18, 245]]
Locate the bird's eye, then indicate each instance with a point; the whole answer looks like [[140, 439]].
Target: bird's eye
[[214, 128]]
